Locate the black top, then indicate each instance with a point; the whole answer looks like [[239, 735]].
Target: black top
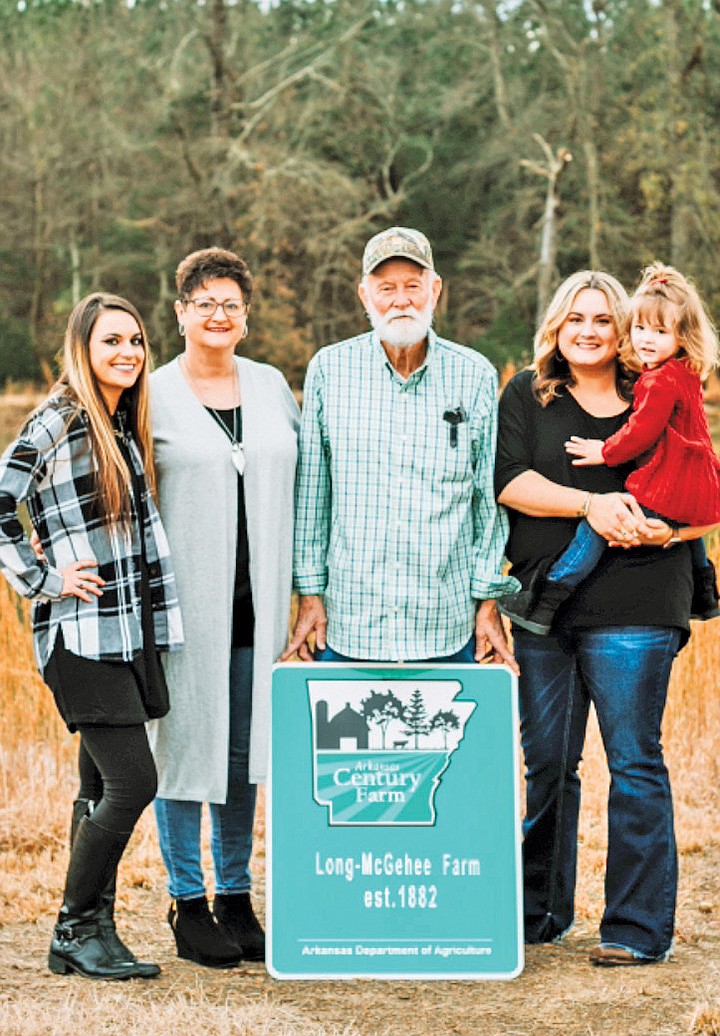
[[243, 615], [642, 586]]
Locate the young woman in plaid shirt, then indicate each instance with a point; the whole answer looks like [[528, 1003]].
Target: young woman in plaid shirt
[[104, 603]]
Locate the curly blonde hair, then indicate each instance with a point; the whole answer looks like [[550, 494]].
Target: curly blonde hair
[[552, 373], [666, 298]]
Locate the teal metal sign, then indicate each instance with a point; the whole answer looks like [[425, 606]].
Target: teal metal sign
[[393, 823]]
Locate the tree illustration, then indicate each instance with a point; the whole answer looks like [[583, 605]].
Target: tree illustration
[[381, 709], [416, 717], [445, 721]]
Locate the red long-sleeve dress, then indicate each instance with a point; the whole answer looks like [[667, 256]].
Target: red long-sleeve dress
[[678, 473]]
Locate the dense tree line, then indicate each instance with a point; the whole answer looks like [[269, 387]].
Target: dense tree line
[[527, 138]]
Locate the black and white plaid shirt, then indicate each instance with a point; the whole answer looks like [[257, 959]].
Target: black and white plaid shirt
[[51, 467]]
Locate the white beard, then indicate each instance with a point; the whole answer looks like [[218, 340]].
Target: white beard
[[401, 328]]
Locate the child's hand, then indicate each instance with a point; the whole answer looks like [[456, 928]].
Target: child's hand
[[587, 451]]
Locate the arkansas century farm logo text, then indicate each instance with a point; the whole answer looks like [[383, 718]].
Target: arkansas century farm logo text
[[381, 747]]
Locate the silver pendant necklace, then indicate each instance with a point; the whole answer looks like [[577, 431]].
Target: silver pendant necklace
[[237, 456], [237, 450]]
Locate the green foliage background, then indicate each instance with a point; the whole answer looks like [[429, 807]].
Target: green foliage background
[[132, 131]]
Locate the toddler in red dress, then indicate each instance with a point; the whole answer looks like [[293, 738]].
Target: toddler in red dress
[[677, 477]]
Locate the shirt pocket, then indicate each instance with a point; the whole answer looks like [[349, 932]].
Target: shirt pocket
[[452, 454]]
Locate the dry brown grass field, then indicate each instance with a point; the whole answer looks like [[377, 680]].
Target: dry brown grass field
[[558, 993]]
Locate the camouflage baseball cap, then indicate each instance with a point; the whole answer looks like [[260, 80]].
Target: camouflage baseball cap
[[397, 243]]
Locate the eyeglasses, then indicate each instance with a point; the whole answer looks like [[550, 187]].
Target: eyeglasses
[[232, 308]]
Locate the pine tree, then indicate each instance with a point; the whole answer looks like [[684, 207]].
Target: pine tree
[[416, 717]]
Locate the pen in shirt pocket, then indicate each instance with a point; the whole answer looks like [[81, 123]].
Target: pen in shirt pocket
[[454, 417]]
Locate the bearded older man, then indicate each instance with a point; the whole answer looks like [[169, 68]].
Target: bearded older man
[[399, 542]]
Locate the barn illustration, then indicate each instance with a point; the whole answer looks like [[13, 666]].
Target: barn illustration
[[347, 730]]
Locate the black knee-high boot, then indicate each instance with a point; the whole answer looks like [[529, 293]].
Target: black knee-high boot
[[106, 913], [78, 943]]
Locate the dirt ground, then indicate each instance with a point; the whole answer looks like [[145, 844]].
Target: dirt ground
[[558, 992]]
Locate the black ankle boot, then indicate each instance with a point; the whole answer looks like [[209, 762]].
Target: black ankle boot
[[78, 946], [199, 937], [534, 609], [116, 948], [77, 943], [705, 604], [235, 914]]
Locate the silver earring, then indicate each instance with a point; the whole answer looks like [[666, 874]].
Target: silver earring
[[181, 330], [245, 333]]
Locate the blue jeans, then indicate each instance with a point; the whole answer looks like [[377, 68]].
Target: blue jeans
[[178, 822], [465, 655], [624, 672], [579, 558]]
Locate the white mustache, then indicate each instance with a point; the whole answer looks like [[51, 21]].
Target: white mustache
[[399, 314]]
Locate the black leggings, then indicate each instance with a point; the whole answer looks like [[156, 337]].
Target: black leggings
[[117, 773]]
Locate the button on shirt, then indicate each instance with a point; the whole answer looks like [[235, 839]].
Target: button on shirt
[[396, 519]]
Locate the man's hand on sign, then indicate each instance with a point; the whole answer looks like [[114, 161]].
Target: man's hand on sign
[[311, 621], [490, 641]]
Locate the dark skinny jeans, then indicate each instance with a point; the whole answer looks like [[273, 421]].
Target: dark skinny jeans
[[117, 773]]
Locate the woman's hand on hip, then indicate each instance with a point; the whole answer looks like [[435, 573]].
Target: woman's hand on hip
[[618, 518], [79, 582]]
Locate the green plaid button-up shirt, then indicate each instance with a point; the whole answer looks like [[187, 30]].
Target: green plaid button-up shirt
[[396, 519]]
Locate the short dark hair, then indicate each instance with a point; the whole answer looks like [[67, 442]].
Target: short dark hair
[[210, 264]]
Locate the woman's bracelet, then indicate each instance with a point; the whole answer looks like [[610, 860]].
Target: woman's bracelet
[[585, 509]]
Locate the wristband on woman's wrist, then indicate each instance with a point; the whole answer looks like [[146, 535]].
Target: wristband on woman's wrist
[[584, 511], [673, 538]]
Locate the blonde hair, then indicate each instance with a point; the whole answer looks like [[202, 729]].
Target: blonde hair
[[78, 385], [665, 297], [552, 373]]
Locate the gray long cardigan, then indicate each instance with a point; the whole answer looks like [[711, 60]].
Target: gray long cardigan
[[197, 486]]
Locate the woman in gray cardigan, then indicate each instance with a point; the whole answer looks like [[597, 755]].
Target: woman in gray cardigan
[[225, 447]]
